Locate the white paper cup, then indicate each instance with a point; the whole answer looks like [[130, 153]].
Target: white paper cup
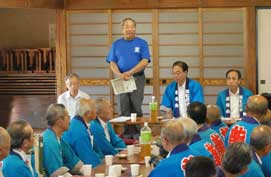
[[155, 150], [87, 170], [118, 168], [134, 169], [131, 149], [108, 160], [112, 172], [133, 117], [99, 175], [147, 159]]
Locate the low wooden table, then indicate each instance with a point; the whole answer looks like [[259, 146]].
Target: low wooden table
[[125, 162], [155, 126]]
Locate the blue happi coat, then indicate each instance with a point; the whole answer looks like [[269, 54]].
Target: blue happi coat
[[175, 164], [212, 136], [195, 94], [221, 100], [220, 127], [15, 166], [81, 141], [107, 147], [241, 131], [57, 155]]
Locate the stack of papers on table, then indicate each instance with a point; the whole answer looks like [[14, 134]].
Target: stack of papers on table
[[120, 119]]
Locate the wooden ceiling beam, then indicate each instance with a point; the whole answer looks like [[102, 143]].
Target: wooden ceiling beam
[[44, 4], [159, 4]]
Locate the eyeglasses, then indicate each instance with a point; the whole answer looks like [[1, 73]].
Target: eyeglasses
[[177, 73]]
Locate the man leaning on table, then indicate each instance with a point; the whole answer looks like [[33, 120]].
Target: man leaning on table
[[59, 158], [79, 136], [103, 131]]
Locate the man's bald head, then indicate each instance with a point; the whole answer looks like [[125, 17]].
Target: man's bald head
[[4, 143], [174, 132], [256, 106], [213, 113], [261, 138]]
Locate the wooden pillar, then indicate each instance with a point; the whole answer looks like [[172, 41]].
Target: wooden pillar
[[155, 55], [250, 48], [61, 46]]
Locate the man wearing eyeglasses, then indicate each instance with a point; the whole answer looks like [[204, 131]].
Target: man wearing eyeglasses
[[181, 92], [18, 162]]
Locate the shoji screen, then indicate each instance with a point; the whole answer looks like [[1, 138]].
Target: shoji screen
[[88, 41], [211, 41], [223, 47], [178, 40]]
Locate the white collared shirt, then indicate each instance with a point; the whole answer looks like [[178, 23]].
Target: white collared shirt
[[105, 129], [182, 101], [26, 158], [235, 101], [70, 102], [90, 134], [259, 158]]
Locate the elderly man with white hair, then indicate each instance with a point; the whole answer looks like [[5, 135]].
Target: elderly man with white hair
[[173, 139], [79, 136]]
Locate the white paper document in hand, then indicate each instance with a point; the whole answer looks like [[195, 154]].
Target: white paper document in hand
[[122, 86]]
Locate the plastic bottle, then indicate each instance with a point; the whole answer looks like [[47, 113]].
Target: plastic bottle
[[145, 141], [153, 109]]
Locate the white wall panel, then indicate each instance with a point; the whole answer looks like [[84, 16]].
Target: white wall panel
[[178, 28], [92, 73], [85, 40], [264, 46], [88, 17], [89, 62], [89, 51], [178, 16]]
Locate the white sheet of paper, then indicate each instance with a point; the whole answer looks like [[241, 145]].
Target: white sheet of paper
[[122, 86], [120, 119]]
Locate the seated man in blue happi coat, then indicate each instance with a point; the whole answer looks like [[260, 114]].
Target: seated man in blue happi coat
[[19, 161], [256, 110], [232, 101], [181, 92], [235, 160], [173, 141], [102, 130], [79, 136], [197, 111], [58, 157], [196, 143], [213, 118], [260, 141], [200, 167]]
